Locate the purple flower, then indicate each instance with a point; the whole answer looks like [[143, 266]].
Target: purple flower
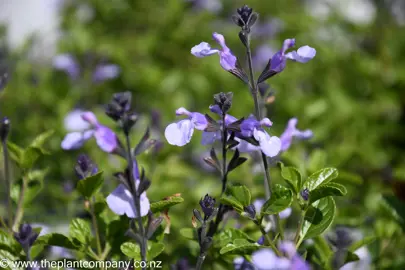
[[270, 146], [180, 133], [302, 55], [70, 65], [121, 201], [210, 5], [105, 72], [266, 259], [105, 137], [227, 59], [67, 63], [290, 132]]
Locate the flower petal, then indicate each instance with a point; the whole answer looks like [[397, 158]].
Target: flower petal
[[75, 140], [121, 202], [105, 72], [74, 122], [270, 146], [106, 138], [90, 117], [179, 133], [302, 55], [199, 120], [227, 59], [285, 213], [210, 137], [203, 49], [67, 63]]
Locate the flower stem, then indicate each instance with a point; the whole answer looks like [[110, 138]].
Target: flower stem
[[8, 185], [136, 196], [202, 255], [224, 169], [297, 239], [95, 226], [200, 261], [224, 179], [267, 237], [254, 91], [20, 205]]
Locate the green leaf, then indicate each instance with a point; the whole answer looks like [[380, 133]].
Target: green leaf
[[292, 176], [322, 249], [228, 236], [90, 185], [240, 247], [318, 218], [131, 250], [39, 141], [154, 250], [33, 188], [351, 257], [398, 208], [6, 255], [80, 229], [165, 204], [329, 189], [320, 177], [36, 249], [189, 233], [29, 157], [56, 239], [280, 199], [230, 200], [7, 242], [364, 242], [15, 152], [241, 193]]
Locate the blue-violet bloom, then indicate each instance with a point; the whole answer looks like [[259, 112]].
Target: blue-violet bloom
[[227, 59], [180, 133], [68, 64], [292, 132], [121, 201], [105, 137], [105, 72], [302, 55], [269, 145]]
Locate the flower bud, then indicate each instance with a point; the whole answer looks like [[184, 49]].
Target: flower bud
[[4, 129]]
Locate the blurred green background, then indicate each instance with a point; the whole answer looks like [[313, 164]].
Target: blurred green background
[[351, 95]]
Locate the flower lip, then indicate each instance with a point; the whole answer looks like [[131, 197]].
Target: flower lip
[[182, 111]]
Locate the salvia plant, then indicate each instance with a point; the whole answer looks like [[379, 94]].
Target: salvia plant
[[229, 228]]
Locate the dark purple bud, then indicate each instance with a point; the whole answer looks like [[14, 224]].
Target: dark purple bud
[[244, 15], [305, 194], [208, 206], [26, 236], [224, 101], [4, 129], [119, 106], [85, 167], [251, 211], [261, 240]]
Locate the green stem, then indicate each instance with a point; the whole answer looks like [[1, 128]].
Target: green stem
[[136, 196], [297, 239], [254, 91], [224, 169], [95, 226], [8, 184], [279, 227], [20, 205], [200, 261], [267, 237]]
